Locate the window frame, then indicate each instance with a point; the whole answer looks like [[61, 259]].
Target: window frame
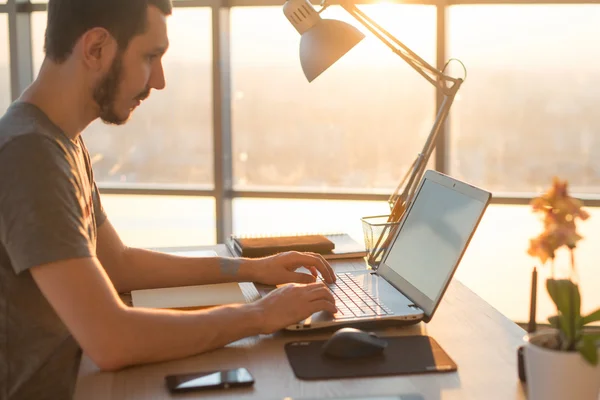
[[21, 70]]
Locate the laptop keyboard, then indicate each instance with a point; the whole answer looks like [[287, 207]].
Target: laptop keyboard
[[352, 301]]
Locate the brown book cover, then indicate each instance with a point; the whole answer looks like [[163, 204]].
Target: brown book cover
[[266, 246]]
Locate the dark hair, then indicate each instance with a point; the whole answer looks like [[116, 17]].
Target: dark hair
[[69, 19]]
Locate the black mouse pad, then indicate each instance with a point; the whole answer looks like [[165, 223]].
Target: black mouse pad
[[403, 355]]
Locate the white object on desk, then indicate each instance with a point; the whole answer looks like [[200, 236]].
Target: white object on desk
[[194, 253], [189, 297]]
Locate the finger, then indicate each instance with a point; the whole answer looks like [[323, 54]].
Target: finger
[[323, 305], [292, 260], [327, 268], [317, 284], [318, 262], [282, 288], [313, 271], [312, 262], [300, 277], [321, 293]]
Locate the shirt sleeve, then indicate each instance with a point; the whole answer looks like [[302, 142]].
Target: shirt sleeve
[[98, 209], [42, 217], [97, 203]]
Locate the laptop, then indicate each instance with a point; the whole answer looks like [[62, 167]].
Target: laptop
[[425, 250]]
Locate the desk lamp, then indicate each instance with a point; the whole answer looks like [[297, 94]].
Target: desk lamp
[[324, 41]]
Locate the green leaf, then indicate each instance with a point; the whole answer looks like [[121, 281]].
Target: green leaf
[[555, 321], [588, 349], [593, 317], [594, 337], [565, 295]]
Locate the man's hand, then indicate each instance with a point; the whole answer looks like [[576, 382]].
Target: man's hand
[[292, 303], [280, 268]]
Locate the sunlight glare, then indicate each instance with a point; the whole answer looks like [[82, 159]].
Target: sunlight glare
[[413, 25]]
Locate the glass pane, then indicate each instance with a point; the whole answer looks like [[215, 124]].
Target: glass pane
[[527, 110], [4, 65], [169, 138], [285, 216], [38, 30], [497, 267], [162, 221], [358, 126]]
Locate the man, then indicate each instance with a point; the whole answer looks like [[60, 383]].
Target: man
[[62, 263]]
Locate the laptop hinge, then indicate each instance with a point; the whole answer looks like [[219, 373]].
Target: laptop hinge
[[412, 304]]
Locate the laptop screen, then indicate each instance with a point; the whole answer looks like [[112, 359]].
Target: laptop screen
[[432, 238]]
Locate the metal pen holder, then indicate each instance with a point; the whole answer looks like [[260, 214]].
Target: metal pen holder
[[378, 232]]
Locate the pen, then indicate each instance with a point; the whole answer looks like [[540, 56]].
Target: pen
[[531, 327]]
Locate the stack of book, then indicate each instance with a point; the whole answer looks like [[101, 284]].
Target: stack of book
[[330, 246]]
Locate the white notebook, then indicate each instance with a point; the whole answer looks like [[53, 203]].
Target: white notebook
[[189, 297], [194, 253]]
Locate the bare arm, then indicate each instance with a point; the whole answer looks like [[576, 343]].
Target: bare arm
[[109, 332], [131, 268]]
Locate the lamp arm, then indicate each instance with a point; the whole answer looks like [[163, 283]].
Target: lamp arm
[[399, 201], [430, 73], [446, 84]]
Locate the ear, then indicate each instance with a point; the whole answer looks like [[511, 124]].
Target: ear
[[98, 49]]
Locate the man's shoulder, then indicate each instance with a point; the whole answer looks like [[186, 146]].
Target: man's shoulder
[[30, 146], [24, 135], [25, 124]]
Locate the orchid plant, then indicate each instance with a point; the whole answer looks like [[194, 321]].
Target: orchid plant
[[560, 213]]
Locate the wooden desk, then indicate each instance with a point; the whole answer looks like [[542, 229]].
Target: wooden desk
[[481, 340]]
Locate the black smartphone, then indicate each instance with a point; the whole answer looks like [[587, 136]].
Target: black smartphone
[[226, 379]]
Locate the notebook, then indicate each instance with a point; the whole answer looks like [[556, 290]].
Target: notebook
[[255, 247], [330, 245], [189, 297]]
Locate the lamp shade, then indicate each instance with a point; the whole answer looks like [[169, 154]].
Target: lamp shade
[[325, 43]]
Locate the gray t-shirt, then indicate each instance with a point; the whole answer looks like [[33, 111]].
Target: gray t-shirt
[[49, 211]]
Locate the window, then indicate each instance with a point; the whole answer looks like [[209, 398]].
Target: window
[[497, 267], [528, 109], [285, 216], [38, 30], [169, 138], [5, 90], [162, 221], [358, 126]]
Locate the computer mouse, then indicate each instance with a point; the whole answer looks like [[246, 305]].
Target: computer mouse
[[353, 343]]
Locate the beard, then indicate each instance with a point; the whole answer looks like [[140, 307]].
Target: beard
[[105, 93]]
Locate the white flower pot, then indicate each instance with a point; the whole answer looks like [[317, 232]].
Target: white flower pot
[[558, 375]]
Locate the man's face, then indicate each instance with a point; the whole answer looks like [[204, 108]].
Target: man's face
[[134, 72]]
